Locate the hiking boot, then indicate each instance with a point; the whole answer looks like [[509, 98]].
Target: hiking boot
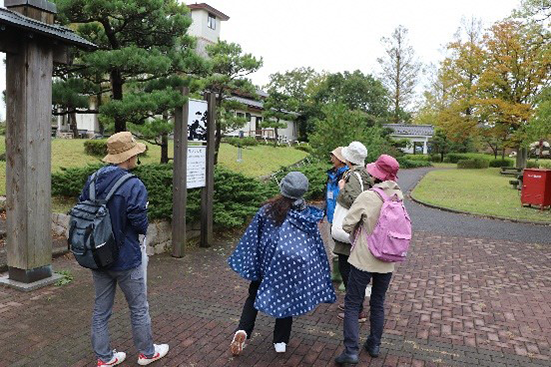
[[280, 347], [373, 350], [160, 351], [118, 358], [347, 359], [361, 319], [238, 342]]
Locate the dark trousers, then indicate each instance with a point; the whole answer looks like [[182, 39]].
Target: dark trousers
[[344, 269], [353, 301], [282, 328]]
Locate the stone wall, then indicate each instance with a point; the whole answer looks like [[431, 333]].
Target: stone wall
[[159, 233]]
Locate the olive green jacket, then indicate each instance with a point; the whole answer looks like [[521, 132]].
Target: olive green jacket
[[351, 190]]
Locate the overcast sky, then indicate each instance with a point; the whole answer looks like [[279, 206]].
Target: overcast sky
[[341, 35]]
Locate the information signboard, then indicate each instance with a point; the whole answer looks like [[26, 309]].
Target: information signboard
[[196, 166], [197, 120]]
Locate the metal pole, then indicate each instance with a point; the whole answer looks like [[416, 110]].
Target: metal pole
[[179, 184], [207, 201]]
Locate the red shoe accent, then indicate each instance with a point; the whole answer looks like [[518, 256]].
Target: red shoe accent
[[142, 356]]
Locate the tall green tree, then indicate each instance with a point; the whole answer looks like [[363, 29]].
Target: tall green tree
[[400, 70], [228, 69], [139, 42], [299, 85]]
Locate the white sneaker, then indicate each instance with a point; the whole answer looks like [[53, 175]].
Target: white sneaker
[[160, 351], [118, 358], [280, 347], [238, 342]]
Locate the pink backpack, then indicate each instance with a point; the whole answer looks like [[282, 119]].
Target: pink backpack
[[392, 235]]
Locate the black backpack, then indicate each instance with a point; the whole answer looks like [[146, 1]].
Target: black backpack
[[91, 237]]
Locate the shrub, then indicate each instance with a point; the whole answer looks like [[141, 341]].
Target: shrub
[[305, 148], [454, 157], [96, 148], [501, 163], [543, 164], [532, 164], [436, 158], [417, 157], [407, 163], [244, 142], [236, 197], [473, 163], [315, 171]]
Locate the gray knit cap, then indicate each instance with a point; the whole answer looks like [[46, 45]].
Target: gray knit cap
[[294, 185]]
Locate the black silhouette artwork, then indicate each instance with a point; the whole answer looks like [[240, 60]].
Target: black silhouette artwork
[[197, 129]]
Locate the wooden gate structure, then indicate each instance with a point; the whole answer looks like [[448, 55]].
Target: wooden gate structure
[[32, 43]]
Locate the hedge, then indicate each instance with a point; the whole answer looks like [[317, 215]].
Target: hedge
[[236, 197], [473, 163], [96, 148], [501, 163], [244, 142], [407, 163]]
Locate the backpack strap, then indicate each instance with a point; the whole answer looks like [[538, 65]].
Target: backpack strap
[[360, 179], [381, 193], [92, 187], [118, 184]]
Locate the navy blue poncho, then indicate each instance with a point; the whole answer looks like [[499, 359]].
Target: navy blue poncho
[[289, 260]]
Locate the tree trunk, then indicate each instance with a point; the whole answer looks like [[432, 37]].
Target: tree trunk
[[116, 84], [441, 156], [73, 123], [164, 148], [522, 154]]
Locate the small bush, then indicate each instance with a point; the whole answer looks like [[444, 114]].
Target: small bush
[[532, 164], [317, 178], [96, 148], [243, 142], [417, 157], [454, 157], [436, 158], [407, 163], [544, 164], [501, 163], [473, 163], [305, 148]]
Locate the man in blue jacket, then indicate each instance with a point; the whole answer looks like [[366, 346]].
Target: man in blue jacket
[[128, 210]]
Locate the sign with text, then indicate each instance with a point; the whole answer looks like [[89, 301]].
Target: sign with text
[[197, 120], [196, 166]]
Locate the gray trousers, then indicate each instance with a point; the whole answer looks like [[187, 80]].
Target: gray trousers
[[133, 284]]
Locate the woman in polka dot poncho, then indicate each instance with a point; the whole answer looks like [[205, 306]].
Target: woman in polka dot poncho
[[284, 257]]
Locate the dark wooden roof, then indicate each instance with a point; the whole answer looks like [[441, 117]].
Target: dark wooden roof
[[16, 21], [411, 130], [210, 9]]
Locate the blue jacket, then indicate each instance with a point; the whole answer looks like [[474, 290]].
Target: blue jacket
[[128, 210], [333, 178], [289, 260]]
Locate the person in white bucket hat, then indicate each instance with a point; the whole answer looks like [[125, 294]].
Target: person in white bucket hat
[[354, 182]]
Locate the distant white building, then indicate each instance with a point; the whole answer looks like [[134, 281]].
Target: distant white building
[[206, 25], [418, 136], [253, 127]]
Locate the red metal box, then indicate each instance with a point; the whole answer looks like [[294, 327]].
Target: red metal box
[[536, 187]]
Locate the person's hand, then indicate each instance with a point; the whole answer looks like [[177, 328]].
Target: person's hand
[[341, 184]]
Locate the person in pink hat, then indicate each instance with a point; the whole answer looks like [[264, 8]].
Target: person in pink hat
[[364, 267]]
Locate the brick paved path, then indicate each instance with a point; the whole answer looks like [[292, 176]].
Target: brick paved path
[[456, 302]]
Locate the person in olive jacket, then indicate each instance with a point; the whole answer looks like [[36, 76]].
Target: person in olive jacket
[[350, 188]]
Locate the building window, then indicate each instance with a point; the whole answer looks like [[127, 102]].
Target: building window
[[211, 21]]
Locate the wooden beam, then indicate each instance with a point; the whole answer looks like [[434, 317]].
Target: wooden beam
[[28, 166], [179, 186]]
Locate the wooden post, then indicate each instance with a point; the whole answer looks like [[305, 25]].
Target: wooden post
[[28, 151], [179, 186], [207, 200]]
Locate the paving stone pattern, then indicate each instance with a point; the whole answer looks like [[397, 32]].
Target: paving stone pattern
[[455, 302]]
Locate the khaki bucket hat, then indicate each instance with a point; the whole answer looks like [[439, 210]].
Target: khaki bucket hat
[[121, 147]]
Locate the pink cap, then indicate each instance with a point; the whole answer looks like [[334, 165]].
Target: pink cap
[[384, 168]]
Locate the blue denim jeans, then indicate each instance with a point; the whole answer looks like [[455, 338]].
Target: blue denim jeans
[[355, 293], [133, 284]]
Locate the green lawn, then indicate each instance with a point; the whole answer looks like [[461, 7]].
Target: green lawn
[[257, 161], [478, 191]]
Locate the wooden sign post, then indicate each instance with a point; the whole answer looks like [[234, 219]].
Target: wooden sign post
[[207, 195], [179, 186], [29, 66]]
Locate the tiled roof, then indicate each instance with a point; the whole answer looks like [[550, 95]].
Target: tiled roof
[[65, 35], [247, 101], [210, 9], [411, 130]]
